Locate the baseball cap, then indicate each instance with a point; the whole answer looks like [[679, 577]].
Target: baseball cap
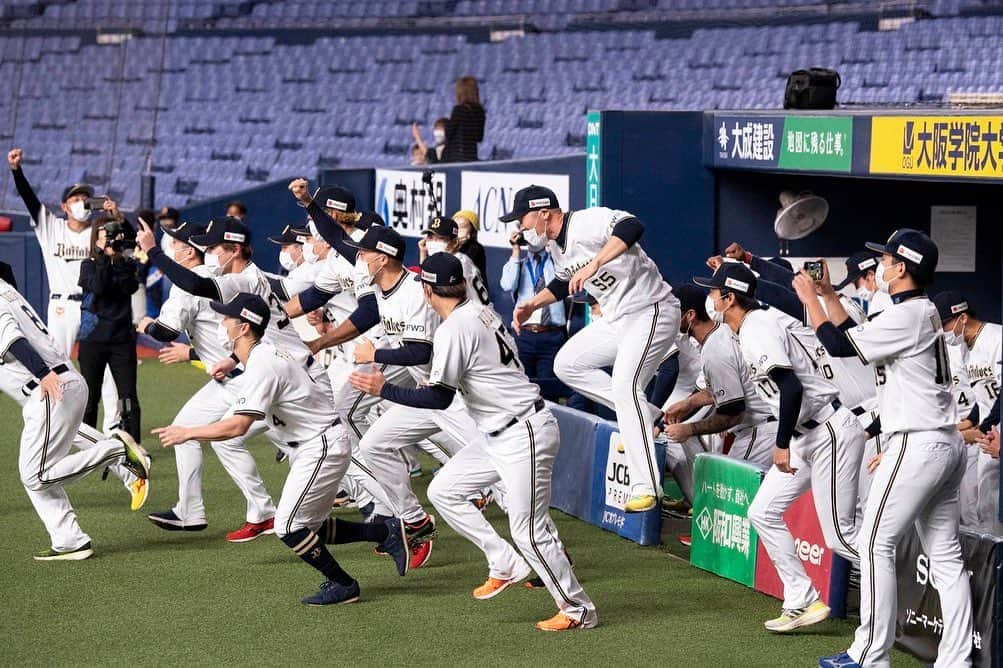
[[443, 227], [531, 198], [857, 265], [441, 269], [782, 262], [950, 304], [169, 213], [77, 189], [184, 232], [223, 230], [472, 216], [690, 297], [368, 219], [731, 276], [338, 198], [382, 240], [247, 307], [913, 247], [290, 235], [7, 274]]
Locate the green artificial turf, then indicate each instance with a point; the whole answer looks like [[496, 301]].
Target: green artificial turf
[[163, 598]]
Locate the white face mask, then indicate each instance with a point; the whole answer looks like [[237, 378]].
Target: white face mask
[[362, 275], [309, 256], [715, 315], [879, 278], [287, 261], [440, 137], [534, 240], [863, 294], [434, 247], [223, 337], [169, 252], [212, 264], [953, 337], [80, 212]]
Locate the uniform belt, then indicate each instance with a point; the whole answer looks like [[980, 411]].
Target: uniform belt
[[858, 411], [33, 383], [809, 425], [236, 372], [537, 407], [72, 298], [536, 329], [296, 444]]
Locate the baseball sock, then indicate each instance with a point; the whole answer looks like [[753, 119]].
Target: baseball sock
[[308, 547], [339, 531]]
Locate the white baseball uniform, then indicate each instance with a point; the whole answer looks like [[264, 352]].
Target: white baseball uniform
[[679, 456], [477, 289], [964, 399], [407, 317], [640, 321], [917, 481], [50, 428], [183, 312], [474, 354], [63, 249], [826, 450], [984, 376]]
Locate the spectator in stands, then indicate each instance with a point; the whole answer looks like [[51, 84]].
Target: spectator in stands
[[236, 209], [469, 223], [545, 332], [107, 335], [465, 127], [439, 149], [417, 156]]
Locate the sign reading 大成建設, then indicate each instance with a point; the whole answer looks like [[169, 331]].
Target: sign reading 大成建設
[[951, 146], [805, 143]]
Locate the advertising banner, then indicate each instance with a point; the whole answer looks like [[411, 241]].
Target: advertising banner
[[724, 541], [491, 195], [952, 146], [406, 202], [827, 570], [593, 164], [817, 143], [747, 141]]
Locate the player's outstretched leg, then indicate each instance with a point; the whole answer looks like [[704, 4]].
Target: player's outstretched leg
[[470, 470]]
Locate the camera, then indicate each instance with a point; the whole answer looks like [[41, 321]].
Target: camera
[[814, 269], [118, 236]]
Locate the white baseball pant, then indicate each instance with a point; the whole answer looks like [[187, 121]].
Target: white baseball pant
[[316, 468], [916, 484], [634, 345], [989, 493], [521, 457], [827, 461], [872, 447], [969, 493], [402, 426], [64, 325], [45, 462]]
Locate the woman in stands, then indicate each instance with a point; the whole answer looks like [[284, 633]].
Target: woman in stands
[[469, 222], [465, 127]]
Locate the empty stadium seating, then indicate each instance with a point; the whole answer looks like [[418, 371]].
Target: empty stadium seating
[[211, 112]]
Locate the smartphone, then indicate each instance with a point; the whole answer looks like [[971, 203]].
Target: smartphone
[[520, 240], [96, 203], [814, 269]]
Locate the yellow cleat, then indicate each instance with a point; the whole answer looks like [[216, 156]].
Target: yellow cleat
[[795, 619], [139, 490], [640, 504]]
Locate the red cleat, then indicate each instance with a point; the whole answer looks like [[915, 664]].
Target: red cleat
[[420, 555], [251, 530]]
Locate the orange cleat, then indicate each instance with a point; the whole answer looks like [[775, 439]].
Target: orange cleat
[[559, 622]]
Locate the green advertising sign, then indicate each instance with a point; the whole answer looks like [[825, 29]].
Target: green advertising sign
[[817, 143], [592, 164], [724, 541]]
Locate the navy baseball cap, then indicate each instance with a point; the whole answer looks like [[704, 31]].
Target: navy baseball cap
[[857, 265], [222, 231], [247, 307], [913, 247], [369, 218], [950, 304], [184, 232], [690, 297], [731, 277], [531, 198], [169, 213], [382, 240], [77, 189], [782, 262], [443, 227], [290, 235], [338, 198], [7, 274], [441, 269]]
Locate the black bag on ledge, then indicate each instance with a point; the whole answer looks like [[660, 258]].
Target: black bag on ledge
[[814, 88]]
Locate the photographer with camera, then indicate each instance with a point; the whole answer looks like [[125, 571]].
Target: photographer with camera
[[107, 336]]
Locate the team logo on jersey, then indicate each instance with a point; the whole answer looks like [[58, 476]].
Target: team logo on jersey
[[392, 326], [69, 253]]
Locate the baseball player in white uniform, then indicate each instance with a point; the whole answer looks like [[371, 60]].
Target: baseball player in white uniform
[[981, 345], [475, 355], [184, 312], [52, 399], [65, 243], [918, 474], [596, 250], [284, 391], [736, 405], [442, 236], [299, 257], [819, 443]]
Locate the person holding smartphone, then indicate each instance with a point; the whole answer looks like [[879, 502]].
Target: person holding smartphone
[[107, 337]]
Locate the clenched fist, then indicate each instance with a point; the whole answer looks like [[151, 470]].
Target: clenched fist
[[299, 190], [14, 158]]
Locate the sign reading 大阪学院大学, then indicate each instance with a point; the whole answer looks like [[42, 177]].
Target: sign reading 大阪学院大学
[[950, 146]]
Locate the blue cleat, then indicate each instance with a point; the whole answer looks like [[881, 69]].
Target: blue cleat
[[841, 660], [396, 545], [332, 593]]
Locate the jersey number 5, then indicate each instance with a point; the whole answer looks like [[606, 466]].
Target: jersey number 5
[[603, 281]]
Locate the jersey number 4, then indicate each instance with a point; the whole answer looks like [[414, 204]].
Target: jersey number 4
[[508, 356]]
